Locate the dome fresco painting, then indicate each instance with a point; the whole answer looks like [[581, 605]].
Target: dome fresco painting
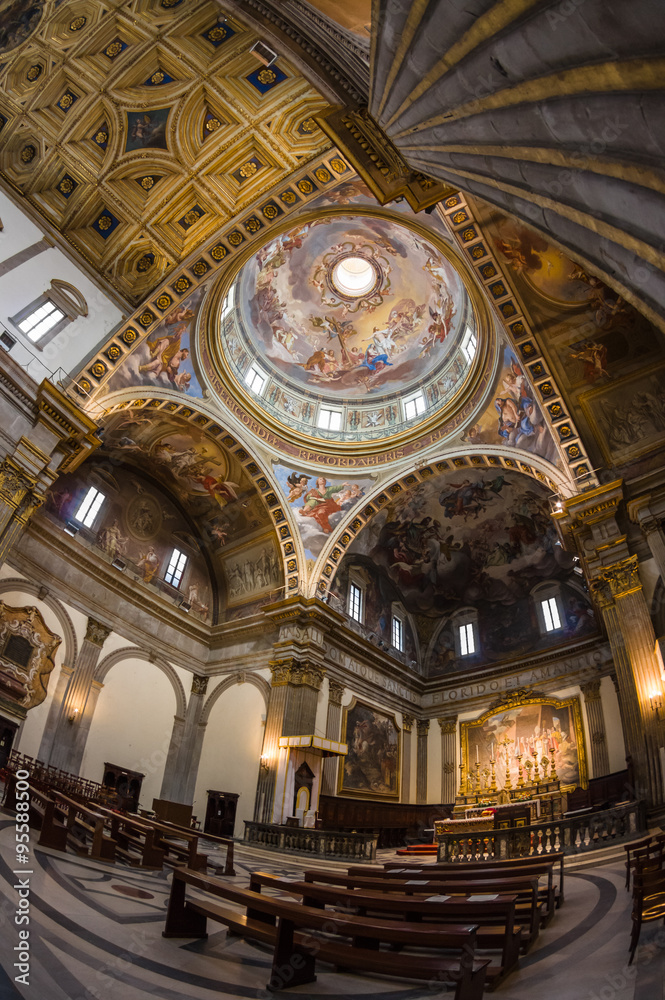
[[354, 311]]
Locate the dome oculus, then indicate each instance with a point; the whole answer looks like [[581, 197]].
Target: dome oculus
[[354, 276]]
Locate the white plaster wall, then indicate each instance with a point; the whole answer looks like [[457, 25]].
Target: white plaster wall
[[231, 751], [25, 283], [132, 725]]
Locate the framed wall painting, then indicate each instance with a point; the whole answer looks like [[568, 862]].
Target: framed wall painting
[[372, 766], [521, 729]]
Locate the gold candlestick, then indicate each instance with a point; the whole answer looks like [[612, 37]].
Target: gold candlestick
[[520, 780], [528, 765], [493, 787], [486, 775], [546, 763], [553, 774], [505, 744], [536, 772], [462, 783], [478, 777]]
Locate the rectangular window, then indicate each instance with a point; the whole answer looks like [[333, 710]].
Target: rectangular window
[[467, 639], [255, 379], [414, 405], [176, 568], [469, 344], [329, 420], [356, 602], [551, 614], [88, 509], [41, 321], [398, 634], [227, 305]]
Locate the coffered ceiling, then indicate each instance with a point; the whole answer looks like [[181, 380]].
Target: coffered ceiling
[[137, 129]]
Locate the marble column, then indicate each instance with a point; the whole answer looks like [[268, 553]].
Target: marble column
[[421, 762], [265, 789], [304, 684], [333, 720], [593, 704], [593, 522], [19, 499], [77, 707], [618, 591], [448, 726], [408, 722], [184, 752]]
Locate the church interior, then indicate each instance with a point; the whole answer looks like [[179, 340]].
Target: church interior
[[332, 490]]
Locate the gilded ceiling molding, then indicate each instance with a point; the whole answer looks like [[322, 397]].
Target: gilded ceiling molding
[[329, 55], [493, 274], [243, 232], [378, 161]]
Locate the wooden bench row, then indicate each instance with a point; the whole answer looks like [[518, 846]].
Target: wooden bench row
[[95, 831], [302, 935]]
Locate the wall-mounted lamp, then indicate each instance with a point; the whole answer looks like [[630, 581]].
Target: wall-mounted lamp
[[71, 528], [119, 564], [656, 699], [73, 717], [264, 762]]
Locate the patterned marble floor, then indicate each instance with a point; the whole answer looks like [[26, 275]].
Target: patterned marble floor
[[95, 932]]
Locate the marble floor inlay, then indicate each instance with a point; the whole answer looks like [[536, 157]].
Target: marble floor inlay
[[95, 934]]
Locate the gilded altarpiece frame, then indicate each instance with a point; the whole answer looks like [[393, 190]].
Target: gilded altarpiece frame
[[521, 725], [372, 767]]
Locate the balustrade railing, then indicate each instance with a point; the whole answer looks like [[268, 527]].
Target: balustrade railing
[[356, 847], [575, 835]]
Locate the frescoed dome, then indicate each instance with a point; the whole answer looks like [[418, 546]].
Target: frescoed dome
[[350, 325]]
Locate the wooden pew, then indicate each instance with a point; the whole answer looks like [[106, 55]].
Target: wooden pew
[[175, 853], [495, 918], [352, 942], [462, 873], [228, 866], [86, 829], [555, 858], [528, 908], [137, 841], [44, 816]]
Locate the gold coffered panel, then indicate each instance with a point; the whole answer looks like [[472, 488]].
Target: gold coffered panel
[[138, 129]]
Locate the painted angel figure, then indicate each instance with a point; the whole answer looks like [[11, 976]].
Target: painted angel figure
[[297, 485]]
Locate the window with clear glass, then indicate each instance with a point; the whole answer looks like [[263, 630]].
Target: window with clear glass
[[551, 615], [329, 420], [467, 639], [355, 602], [176, 568], [469, 345], [38, 323], [414, 405], [256, 380], [398, 634], [89, 507]]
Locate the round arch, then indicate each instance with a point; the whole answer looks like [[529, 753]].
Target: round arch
[[28, 587], [240, 677], [136, 653]]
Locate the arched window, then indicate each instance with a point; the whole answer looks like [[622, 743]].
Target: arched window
[[465, 630], [547, 598], [44, 318]]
